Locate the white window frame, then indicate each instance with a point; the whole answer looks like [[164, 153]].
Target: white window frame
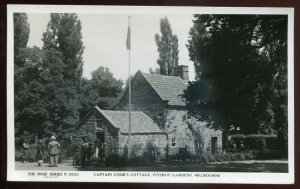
[[160, 112], [173, 142], [189, 116], [98, 123]]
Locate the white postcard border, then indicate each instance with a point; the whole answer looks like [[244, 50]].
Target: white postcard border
[[93, 176]]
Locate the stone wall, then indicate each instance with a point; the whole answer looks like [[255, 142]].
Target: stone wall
[[139, 143], [178, 129], [143, 98], [209, 133], [88, 128]]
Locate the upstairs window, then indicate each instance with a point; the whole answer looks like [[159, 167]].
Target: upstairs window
[[98, 123], [160, 112], [173, 141]]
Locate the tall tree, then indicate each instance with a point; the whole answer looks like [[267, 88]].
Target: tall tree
[[60, 95], [21, 35], [238, 61], [167, 45], [101, 90], [64, 34], [28, 97]]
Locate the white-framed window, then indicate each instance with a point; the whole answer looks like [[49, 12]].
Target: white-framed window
[[189, 116], [173, 140], [160, 112], [99, 123]]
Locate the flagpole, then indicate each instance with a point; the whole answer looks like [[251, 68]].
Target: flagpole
[[129, 93]]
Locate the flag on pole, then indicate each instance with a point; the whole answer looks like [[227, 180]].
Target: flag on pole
[[128, 42]]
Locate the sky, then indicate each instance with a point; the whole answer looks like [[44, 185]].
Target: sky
[[104, 37]]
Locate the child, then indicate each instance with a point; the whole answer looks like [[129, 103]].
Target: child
[[39, 153]]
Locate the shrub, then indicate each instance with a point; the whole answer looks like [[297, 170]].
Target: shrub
[[149, 155], [115, 161], [264, 146], [229, 156], [255, 141]]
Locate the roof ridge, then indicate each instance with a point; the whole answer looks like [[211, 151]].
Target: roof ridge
[[119, 111], [174, 76]]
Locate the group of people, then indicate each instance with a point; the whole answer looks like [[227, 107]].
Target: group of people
[[53, 151], [54, 148]]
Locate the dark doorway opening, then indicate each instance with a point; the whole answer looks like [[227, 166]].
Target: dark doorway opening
[[214, 145], [100, 144]]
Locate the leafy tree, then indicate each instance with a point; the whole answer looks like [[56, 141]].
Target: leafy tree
[[64, 35], [60, 95], [62, 70], [101, 90], [29, 104], [241, 67], [167, 45], [45, 102], [21, 35]]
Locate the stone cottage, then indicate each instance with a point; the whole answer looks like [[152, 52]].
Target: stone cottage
[[159, 115], [110, 129]]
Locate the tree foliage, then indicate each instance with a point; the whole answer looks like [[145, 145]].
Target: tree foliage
[[28, 91], [101, 90], [167, 45], [241, 67], [50, 93], [64, 35], [21, 35]]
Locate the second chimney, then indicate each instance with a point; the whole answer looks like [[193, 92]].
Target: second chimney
[[183, 72]]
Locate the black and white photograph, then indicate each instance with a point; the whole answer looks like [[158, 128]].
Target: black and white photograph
[[150, 94]]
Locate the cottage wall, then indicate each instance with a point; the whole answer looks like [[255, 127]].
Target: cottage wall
[[88, 129], [143, 98], [210, 133], [178, 130], [139, 144]]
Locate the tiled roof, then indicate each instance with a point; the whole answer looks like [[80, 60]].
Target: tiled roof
[[167, 87], [140, 123]]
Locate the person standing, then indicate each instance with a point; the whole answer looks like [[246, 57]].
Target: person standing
[[84, 152], [53, 148], [39, 152], [90, 154], [25, 147]]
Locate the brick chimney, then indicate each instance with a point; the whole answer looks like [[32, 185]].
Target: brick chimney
[[183, 72]]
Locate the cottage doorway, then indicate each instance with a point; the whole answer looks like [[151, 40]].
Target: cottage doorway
[[214, 145], [99, 144]]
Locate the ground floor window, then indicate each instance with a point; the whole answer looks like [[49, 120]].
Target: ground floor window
[[189, 116], [173, 141]]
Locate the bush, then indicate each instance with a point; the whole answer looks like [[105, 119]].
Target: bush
[[149, 155], [263, 146], [255, 141], [229, 156], [115, 161]]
